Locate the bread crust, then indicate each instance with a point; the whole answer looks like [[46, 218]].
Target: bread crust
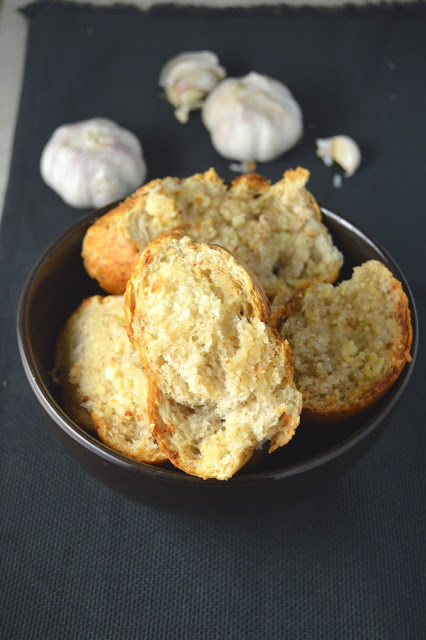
[[275, 229], [104, 387], [181, 458], [186, 406], [106, 244], [387, 344]]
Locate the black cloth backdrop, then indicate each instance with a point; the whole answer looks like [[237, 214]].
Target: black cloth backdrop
[[79, 560]]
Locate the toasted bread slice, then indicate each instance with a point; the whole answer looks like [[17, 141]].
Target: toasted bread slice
[[349, 342], [275, 229], [221, 379], [104, 385]]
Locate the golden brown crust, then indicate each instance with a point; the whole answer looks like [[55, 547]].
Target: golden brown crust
[[139, 452], [377, 342], [105, 244], [251, 182], [180, 458], [275, 229]]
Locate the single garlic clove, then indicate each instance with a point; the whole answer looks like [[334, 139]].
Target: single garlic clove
[[340, 149], [252, 119], [188, 78]]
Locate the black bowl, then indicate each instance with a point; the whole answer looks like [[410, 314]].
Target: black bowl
[[315, 457]]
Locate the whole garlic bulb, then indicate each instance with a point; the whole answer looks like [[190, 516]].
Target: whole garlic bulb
[[340, 149], [253, 118], [188, 78], [92, 163]]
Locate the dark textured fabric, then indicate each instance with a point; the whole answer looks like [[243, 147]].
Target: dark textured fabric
[[80, 561]]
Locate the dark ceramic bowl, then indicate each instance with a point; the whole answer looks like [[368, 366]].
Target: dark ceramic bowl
[[315, 456]]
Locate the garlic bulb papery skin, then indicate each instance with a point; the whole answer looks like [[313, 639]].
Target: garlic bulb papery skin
[[340, 149], [252, 119], [188, 78], [92, 163]]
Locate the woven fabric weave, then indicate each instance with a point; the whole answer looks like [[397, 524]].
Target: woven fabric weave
[[77, 559]]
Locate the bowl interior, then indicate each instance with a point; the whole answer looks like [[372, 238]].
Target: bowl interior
[[58, 283]]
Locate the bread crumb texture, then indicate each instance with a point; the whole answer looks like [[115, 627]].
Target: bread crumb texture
[[103, 382], [349, 342], [221, 377], [275, 229]]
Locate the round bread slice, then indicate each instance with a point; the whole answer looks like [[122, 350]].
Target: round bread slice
[[276, 229], [104, 385], [221, 378], [349, 342]]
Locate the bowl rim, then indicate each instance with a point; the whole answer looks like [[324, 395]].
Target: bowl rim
[[82, 437]]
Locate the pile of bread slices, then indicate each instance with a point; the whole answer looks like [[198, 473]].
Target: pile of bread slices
[[220, 323]]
